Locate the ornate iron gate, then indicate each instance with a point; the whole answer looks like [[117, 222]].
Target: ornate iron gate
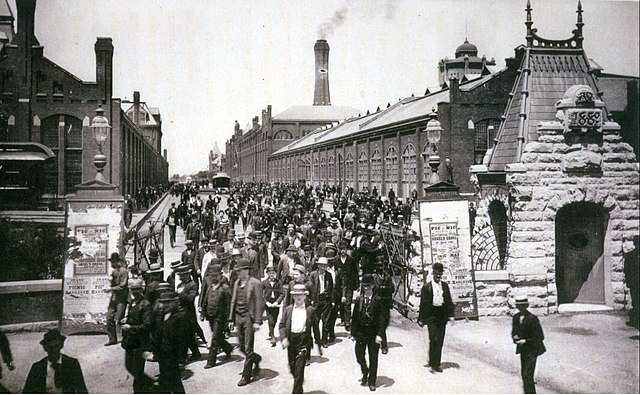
[[397, 246], [147, 243]]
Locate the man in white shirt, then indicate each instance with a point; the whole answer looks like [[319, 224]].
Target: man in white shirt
[[436, 307], [295, 333]]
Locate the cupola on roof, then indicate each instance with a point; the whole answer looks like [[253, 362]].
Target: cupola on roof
[[466, 49]]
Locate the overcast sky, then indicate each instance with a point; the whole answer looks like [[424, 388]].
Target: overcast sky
[[208, 63]]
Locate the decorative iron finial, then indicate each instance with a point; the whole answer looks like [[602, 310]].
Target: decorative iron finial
[[529, 23], [578, 32]]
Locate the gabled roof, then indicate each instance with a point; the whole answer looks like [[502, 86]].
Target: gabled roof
[[145, 108], [316, 113], [547, 70], [406, 110]]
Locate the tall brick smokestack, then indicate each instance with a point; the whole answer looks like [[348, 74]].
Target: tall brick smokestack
[[321, 95]]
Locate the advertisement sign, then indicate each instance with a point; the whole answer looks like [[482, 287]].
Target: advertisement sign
[[446, 239], [94, 229]]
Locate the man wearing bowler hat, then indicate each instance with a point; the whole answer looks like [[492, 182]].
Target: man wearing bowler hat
[[170, 342], [527, 334], [436, 307], [273, 296], [247, 306], [119, 293], [215, 307], [57, 372], [135, 335], [366, 330]]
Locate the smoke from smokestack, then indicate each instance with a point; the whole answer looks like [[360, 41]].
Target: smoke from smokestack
[[371, 10], [327, 28]]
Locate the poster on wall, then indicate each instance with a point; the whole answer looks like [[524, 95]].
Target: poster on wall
[[446, 239], [93, 231]]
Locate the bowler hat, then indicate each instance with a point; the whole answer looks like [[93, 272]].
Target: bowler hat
[[292, 248], [438, 268], [270, 268], [367, 279], [299, 289], [114, 257], [243, 263], [168, 296], [214, 269], [183, 269], [52, 335]]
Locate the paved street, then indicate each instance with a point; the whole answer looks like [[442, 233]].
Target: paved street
[[587, 353]]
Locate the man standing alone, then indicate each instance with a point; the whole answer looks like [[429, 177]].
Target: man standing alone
[[119, 293], [527, 334], [436, 307]]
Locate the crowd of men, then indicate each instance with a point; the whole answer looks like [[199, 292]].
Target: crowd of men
[[294, 265]]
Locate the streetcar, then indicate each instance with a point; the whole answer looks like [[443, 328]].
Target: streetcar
[[221, 183]]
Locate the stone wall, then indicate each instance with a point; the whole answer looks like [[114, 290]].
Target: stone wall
[[554, 174]]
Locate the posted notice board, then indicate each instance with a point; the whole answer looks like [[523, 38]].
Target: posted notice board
[[444, 227]]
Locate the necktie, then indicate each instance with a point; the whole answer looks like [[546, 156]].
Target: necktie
[[57, 376]]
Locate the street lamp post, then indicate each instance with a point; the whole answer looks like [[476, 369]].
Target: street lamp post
[[100, 127], [434, 132]]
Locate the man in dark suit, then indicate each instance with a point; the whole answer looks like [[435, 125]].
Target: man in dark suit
[[247, 306], [215, 306], [119, 294], [187, 291], [135, 335], [527, 333], [170, 342], [366, 330], [273, 297], [349, 270], [436, 307], [321, 295], [56, 372], [5, 353], [295, 334]]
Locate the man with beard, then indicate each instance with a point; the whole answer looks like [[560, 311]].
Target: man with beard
[[216, 309]]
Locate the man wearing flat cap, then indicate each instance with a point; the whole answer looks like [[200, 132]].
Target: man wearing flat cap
[[57, 372], [527, 334], [247, 306], [436, 308], [119, 293]]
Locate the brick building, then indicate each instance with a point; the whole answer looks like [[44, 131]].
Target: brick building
[[248, 150], [388, 150], [46, 113]]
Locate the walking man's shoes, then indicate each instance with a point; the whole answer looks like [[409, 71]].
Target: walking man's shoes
[[372, 387], [110, 343], [243, 381]]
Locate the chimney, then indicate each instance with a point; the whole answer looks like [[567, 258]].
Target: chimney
[[104, 66], [136, 108], [321, 95]]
